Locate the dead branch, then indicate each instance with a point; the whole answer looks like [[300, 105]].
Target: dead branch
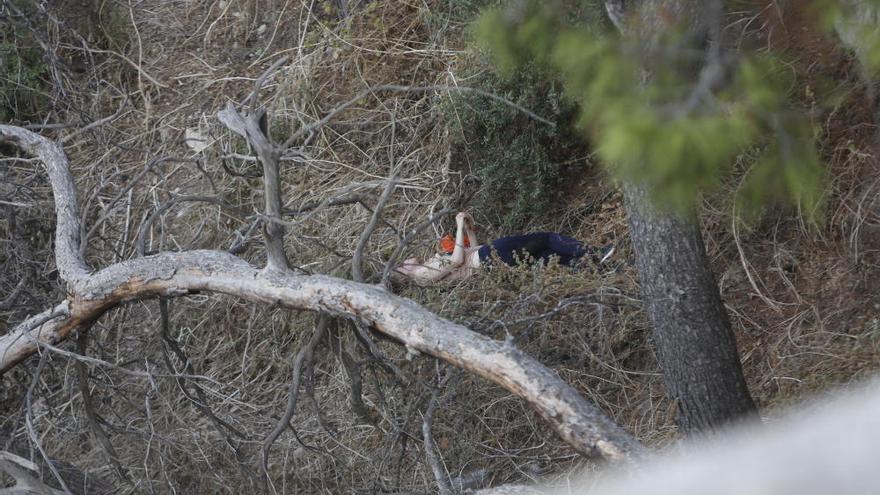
[[108, 210], [9, 300], [82, 371], [357, 268], [176, 274], [303, 359], [433, 456], [253, 129], [29, 423], [71, 265], [23, 471], [140, 242], [353, 371], [579, 423]]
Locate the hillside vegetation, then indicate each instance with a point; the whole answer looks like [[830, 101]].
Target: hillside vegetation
[[802, 298]]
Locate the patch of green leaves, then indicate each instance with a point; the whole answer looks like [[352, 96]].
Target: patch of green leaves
[[658, 129], [22, 82], [522, 164]]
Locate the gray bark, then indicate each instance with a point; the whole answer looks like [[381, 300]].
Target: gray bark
[[693, 340]]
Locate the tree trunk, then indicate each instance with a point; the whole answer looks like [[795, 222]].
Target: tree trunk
[[693, 341]]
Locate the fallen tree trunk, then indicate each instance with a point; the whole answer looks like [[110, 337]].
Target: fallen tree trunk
[[169, 274]]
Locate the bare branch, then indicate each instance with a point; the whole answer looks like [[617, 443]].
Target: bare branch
[[353, 371], [140, 242], [96, 123], [71, 266], [302, 359], [9, 300], [29, 423], [24, 473], [108, 210], [357, 268], [258, 84], [82, 372], [254, 133], [175, 274], [434, 460]]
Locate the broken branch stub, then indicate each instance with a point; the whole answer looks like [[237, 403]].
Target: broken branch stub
[[252, 129]]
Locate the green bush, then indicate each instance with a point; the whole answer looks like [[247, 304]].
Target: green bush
[[660, 131], [522, 164], [22, 81]]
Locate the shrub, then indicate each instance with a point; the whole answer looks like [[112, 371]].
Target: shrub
[[22, 81], [522, 165]]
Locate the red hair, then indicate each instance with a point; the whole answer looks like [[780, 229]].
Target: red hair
[[447, 243]]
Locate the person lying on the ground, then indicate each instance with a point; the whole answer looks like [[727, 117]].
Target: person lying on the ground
[[464, 255]]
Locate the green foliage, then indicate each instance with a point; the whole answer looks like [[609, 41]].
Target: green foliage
[[665, 130], [858, 24], [22, 82], [522, 164]]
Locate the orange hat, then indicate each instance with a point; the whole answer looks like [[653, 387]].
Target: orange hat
[[447, 243]]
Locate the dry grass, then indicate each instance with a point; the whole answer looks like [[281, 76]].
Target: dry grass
[[806, 320]]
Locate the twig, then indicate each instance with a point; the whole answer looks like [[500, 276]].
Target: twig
[[258, 84], [140, 241], [357, 269], [29, 422], [108, 210], [353, 371], [389, 265], [222, 427], [96, 123], [302, 359], [9, 300], [24, 473], [92, 416], [433, 456]]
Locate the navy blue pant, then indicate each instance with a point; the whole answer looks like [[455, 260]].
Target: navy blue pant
[[539, 245]]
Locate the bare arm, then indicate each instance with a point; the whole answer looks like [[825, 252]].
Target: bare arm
[[459, 251], [471, 235], [433, 270], [469, 232], [437, 268]]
